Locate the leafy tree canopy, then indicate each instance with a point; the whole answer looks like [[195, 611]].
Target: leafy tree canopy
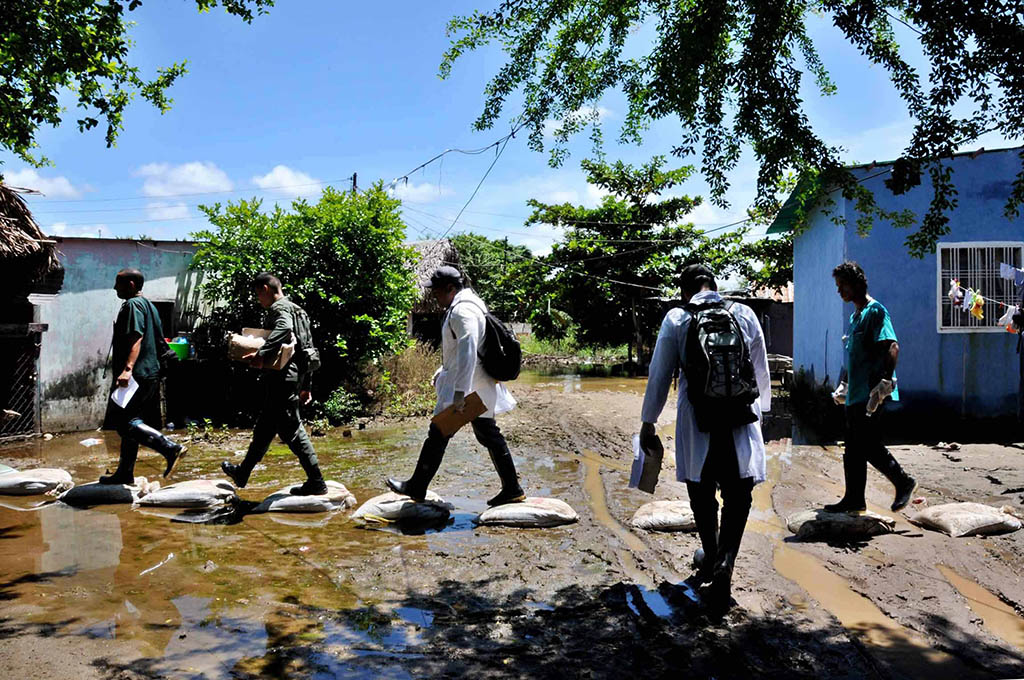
[[341, 259], [616, 260], [733, 72], [495, 270], [82, 46]]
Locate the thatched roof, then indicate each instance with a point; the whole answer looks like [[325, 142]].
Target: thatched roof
[[25, 251], [432, 254]]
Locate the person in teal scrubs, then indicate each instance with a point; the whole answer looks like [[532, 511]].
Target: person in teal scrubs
[[871, 354]]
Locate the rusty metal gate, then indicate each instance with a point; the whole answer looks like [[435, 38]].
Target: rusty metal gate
[[19, 380]]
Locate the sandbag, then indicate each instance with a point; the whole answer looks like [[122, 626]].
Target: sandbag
[[393, 507], [35, 481], [664, 516], [95, 493], [336, 498], [817, 524], [196, 493], [532, 512], [968, 519]]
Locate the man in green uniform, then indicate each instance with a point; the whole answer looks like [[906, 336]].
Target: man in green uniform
[[137, 332], [284, 392], [871, 355]]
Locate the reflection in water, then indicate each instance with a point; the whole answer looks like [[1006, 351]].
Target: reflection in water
[[574, 382]]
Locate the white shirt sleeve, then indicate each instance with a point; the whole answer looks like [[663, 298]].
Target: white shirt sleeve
[[663, 367], [464, 324], [758, 357]]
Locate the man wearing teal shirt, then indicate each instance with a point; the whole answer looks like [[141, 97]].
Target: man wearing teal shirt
[[871, 355]]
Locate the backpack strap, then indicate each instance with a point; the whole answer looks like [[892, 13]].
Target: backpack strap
[[472, 302]]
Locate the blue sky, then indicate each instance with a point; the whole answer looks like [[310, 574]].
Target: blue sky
[[317, 90]]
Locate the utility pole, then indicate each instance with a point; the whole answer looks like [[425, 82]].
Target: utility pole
[[355, 187], [504, 266]]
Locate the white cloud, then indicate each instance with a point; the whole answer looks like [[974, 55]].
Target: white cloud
[[288, 182], [584, 113], [425, 192], [162, 210], [51, 187], [197, 177], [64, 229]]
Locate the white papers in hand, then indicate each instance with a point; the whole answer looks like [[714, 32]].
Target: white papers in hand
[[122, 395]]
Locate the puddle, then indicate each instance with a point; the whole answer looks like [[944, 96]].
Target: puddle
[[999, 618], [902, 649], [651, 600], [569, 383]]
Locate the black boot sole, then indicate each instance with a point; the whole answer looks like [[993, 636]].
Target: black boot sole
[[231, 476], [897, 505], [174, 463]]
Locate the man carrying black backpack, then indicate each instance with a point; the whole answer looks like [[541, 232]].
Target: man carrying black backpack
[[718, 349], [465, 357], [284, 390]]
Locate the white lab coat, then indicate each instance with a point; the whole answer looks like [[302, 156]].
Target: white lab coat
[[462, 338], [691, 443]]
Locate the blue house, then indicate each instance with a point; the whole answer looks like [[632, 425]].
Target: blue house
[[951, 364]]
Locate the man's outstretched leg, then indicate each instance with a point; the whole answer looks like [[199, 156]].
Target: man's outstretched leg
[[426, 467]]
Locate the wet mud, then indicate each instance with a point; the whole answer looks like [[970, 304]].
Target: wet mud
[[117, 592]]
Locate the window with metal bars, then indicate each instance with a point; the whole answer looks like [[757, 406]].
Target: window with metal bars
[[976, 266]]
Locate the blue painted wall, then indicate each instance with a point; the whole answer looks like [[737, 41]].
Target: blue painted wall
[[944, 374]]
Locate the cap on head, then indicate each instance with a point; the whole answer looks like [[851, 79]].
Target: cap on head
[[693, 277], [442, 276]]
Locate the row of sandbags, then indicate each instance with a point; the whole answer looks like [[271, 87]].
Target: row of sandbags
[[953, 519], [208, 493]]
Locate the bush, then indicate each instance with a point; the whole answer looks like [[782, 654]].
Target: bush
[[401, 384], [816, 415], [341, 407]]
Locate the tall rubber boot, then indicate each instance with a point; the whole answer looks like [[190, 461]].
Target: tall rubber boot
[[855, 472], [735, 509], [154, 439], [303, 450], [705, 515], [125, 473], [511, 491], [905, 484], [426, 467]]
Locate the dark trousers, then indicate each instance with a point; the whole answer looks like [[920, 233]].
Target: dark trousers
[[720, 471], [864, 445], [279, 416], [130, 423], [489, 436]]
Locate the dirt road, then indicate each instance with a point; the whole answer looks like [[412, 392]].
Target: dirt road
[[262, 596]]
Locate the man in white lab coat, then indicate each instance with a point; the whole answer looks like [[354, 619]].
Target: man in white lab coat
[[461, 373], [718, 456]]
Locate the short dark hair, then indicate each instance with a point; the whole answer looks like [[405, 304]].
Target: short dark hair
[[266, 279], [693, 278], [851, 273], [133, 275]]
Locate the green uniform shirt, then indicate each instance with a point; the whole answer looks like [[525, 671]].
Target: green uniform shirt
[[280, 321], [136, 319], [865, 357]]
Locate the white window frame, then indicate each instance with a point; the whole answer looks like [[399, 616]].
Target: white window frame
[[943, 287]]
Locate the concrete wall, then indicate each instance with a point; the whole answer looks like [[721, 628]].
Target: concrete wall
[[940, 374], [817, 311], [74, 365]]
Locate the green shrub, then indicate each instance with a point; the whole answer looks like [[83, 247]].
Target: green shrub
[[341, 407]]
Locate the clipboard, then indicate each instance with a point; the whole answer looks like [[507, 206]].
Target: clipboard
[[449, 421]]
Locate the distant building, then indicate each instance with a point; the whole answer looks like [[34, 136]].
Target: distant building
[[951, 364], [426, 315], [74, 361]]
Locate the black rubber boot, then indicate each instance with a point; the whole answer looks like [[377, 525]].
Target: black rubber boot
[[426, 467], [855, 471], [511, 491], [156, 440], [705, 514], [311, 487], [735, 509], [125, 473], [904, 483], [238, 474]]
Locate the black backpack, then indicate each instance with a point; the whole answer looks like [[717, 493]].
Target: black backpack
[[501, 355], [720, 375], [308, 356]]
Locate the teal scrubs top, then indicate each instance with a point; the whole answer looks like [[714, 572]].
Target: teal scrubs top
[[865, 358]]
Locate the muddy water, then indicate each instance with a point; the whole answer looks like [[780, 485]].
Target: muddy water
[[900, 648], [573, 382], [999, 618], [207, 599]]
